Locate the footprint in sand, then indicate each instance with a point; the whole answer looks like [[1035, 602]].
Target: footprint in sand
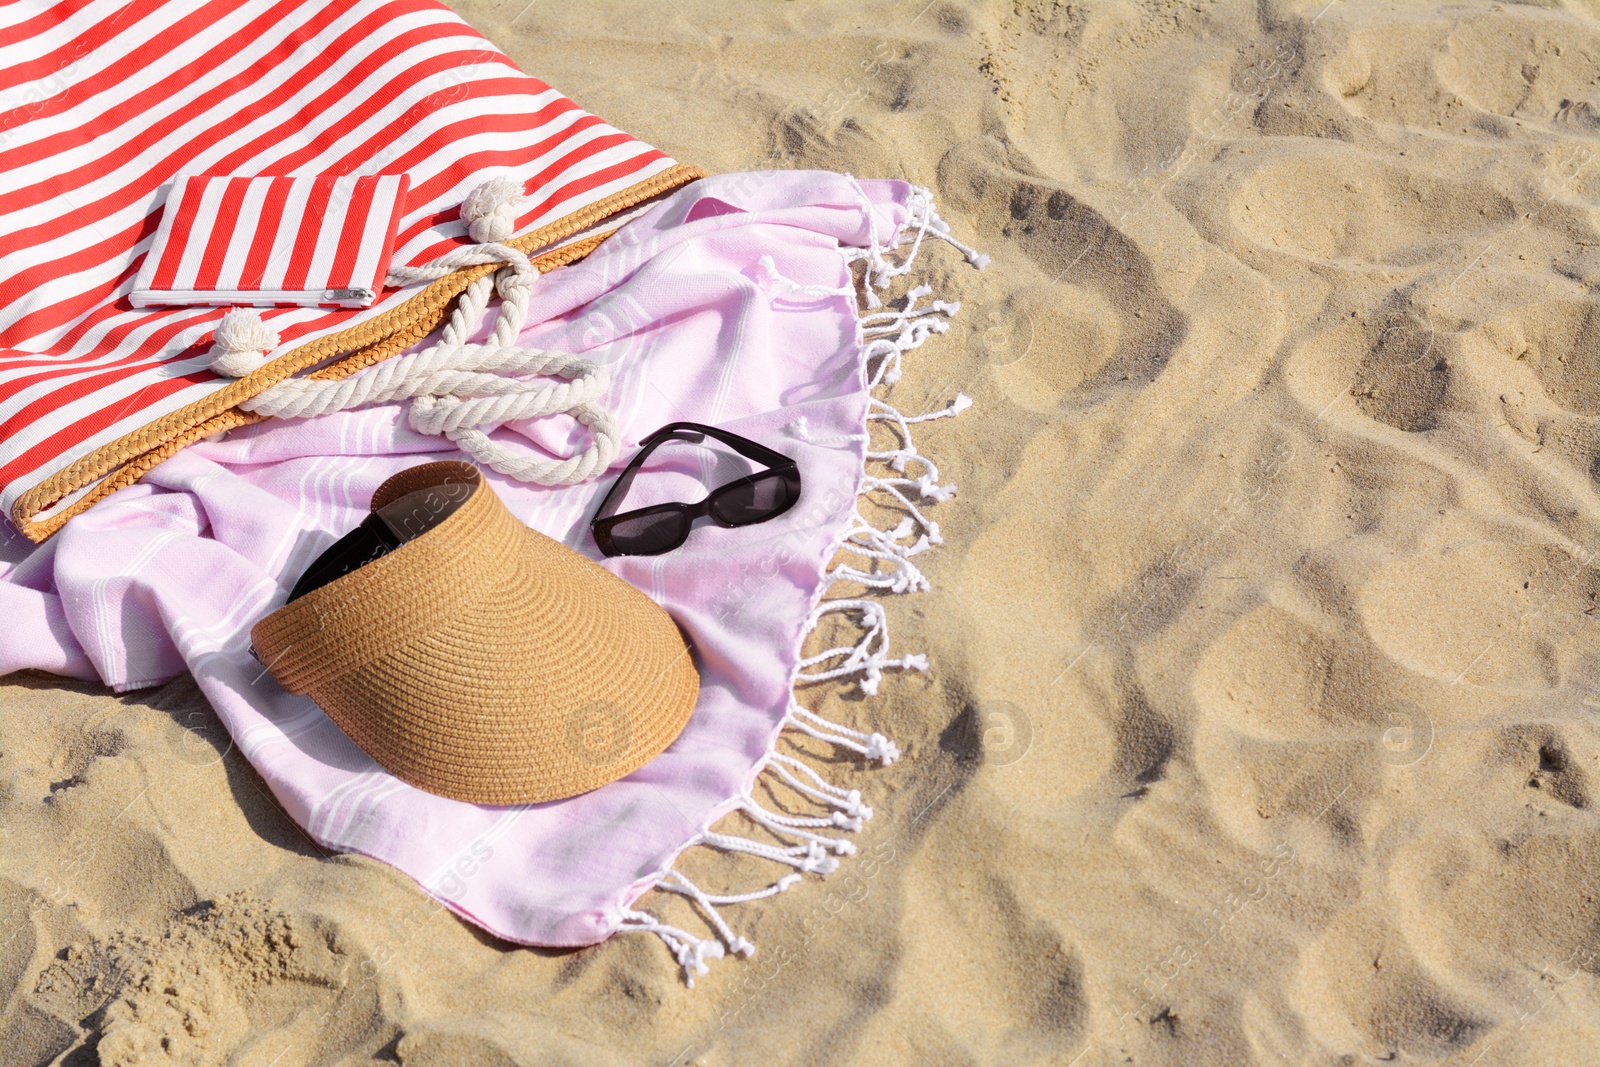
[[28, 1034], [1283, 710], [1129, 329], [1355, 210], [1485, 77], [1535, 67], [1484, 613], [1493, 915], [233, 980], [1553, 338], [1045, 341], [1361, 995]]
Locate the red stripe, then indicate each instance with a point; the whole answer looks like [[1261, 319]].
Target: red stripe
[[222, 234], [120, 198], [266, 234], [44, 319], [114, 340], [432, 189], [323, 120], [487, 160], [293, 50], [39, 276], [286, 132], [349, 246], [52, 316], [189, 194], [58, 63], [73, 390], [46, 20], [155, 348]]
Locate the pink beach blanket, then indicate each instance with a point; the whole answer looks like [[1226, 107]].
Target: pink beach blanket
[[731, 302]]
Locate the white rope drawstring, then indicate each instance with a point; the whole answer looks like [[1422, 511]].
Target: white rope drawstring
[[457, 390]]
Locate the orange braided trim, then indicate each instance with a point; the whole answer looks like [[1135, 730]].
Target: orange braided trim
[[369, 342]]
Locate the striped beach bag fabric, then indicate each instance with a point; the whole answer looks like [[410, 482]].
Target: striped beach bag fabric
[[113, 113], [261, 241]]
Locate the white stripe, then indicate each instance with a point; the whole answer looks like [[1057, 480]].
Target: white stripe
[[64, 206], [244, 233], [472, 144], [397, 102], [345, 830], [26, 438], [130, 38], [194, 640], [263, 734], [20, 440], [322, 812], [79, 241], [109, 634]]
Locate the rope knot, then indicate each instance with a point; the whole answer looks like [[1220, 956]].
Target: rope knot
[[490, 210], [240, 343]]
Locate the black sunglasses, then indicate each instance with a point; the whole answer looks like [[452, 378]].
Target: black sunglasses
[[662, 527]]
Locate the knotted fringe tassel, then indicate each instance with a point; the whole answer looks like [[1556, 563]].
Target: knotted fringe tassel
[[907, 481], [458, 390]]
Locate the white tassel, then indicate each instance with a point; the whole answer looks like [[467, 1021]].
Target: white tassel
[[848, 800], [788, 825], [868, 657], [680, 884], [241, 342], [873, 746], [692, 953], [812, 858], [920, 218]]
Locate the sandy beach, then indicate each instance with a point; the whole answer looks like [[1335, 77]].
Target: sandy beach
[[1263, 723]]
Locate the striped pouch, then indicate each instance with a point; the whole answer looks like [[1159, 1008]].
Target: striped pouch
[[231, 239], [105, 103]]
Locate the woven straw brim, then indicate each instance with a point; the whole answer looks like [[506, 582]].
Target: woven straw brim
[[484, 661]]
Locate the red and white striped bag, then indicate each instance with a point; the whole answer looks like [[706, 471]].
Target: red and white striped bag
[[240, 239], [103, 103]]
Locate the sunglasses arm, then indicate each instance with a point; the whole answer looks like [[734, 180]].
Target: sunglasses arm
[[619, 488]]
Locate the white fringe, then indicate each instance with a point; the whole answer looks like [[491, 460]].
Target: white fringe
[[883, 566]]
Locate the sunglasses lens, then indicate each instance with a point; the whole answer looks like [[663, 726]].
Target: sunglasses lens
[[645, 535], [760, 498]]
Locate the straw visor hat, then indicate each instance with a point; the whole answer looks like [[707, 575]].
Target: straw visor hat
[[481, 660]]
